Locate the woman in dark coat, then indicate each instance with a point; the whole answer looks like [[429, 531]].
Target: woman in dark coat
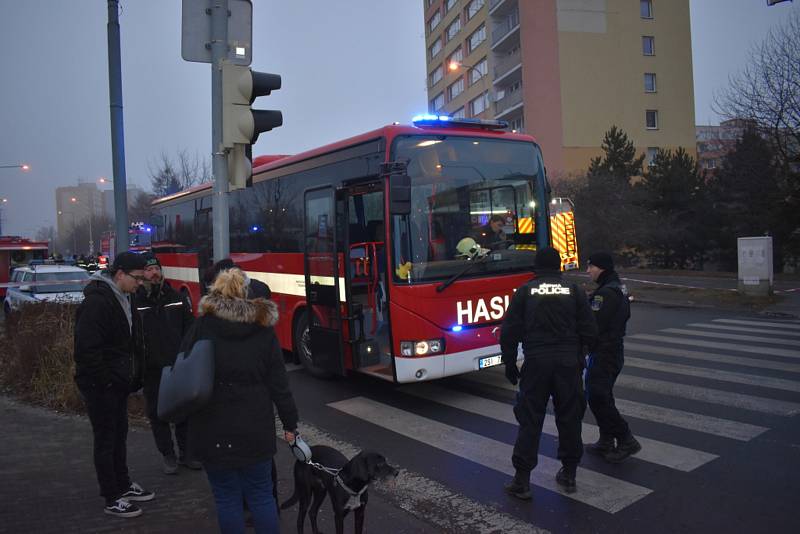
[[234, 434]]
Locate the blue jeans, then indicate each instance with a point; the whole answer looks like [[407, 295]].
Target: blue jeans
[[254, 484]]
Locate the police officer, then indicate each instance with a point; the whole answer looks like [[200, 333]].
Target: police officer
[[553, 321], [166, 317], [611, 310]]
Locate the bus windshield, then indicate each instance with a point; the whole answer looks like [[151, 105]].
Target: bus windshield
[[472, 198]]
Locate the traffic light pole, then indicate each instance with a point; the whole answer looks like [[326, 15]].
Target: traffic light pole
[[219, 52], [117, 131]]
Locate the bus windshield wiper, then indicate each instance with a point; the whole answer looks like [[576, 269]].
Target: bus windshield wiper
[[447, 283]]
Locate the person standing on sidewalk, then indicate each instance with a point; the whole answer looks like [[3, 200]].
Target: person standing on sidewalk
[[552, 320], [108, 345], [166, 318], [612, 310], [234, 434]]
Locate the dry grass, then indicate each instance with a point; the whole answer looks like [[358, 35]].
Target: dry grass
[[36, 358]]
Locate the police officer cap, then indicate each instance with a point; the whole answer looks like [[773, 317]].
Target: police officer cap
[[548, 259], [128, 261], [603, 260]]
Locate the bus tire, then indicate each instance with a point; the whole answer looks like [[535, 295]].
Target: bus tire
[[302, 347]]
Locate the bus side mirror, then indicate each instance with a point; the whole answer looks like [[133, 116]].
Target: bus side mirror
[[400, 194]]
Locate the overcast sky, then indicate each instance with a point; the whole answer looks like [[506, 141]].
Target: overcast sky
[[345, 71]]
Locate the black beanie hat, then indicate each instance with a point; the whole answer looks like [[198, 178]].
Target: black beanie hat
[[150, 259], [548, 259], [603, 260], [128, 261]]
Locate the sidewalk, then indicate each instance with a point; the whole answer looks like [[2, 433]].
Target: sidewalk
[[48, 484]]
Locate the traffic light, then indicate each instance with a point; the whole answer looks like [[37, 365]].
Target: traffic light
[[241, 124]]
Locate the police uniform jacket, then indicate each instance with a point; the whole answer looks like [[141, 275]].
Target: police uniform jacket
[[611, 310], [166, 318], [550, 317]]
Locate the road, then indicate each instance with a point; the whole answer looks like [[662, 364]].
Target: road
[[714, 398]]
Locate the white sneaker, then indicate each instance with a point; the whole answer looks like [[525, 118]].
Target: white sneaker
[[137, 493], [122, 508]]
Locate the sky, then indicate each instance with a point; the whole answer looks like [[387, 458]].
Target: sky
[[345, 71]]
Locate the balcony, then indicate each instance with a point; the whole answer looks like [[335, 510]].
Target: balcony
[[508, 103], [501, 7], [504, 64], [502, 31]]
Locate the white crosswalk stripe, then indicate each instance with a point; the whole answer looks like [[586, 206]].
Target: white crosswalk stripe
[[595, 489], [720, 335], [787, 325], [657, 452], [637, 348], [696, 422], [742, 329], [715, 374], [715, 345]]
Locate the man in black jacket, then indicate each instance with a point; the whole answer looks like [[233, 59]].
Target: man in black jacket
[[552, 320], [166, 317], [108, 345], [612, 310]]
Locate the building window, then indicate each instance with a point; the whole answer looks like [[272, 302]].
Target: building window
[[448, 5], [473, 8], [652, 152], [477, 37], [436, 75], [459, 113], [434, 21], [454, 28], [648, 45], [646, 9], [649, 82], [651, 119], [436, 47], [437, 103], [478, 71], [456, 57], [517, 125], [456, 88], [479, 104]]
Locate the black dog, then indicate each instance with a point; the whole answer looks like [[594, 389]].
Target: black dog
[[348, 490]]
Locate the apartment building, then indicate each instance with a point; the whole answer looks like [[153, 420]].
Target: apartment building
[[565, 71]]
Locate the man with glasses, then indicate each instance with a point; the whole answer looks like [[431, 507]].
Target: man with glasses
[[108, 349]]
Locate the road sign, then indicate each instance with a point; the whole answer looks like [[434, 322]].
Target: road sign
[[196, 31]]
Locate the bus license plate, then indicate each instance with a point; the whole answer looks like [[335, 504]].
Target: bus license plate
[[483, 363]]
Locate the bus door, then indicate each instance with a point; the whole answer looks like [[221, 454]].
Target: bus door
[[366, 274], [322, 283]]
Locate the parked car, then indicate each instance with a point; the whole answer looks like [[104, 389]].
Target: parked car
[[40, 283]]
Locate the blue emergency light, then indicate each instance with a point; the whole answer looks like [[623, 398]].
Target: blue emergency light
[[446, 120], [457, 328]]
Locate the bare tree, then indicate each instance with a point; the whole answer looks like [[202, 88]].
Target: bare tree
[[767, 91], [168, 176]]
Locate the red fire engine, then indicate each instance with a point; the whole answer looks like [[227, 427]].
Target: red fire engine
[[15, 252]]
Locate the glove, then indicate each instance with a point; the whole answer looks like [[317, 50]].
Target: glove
[[512, 373]]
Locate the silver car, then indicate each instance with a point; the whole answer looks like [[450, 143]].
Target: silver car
[[45, 283]]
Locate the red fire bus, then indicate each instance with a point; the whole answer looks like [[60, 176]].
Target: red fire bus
[[393, 253], [16, 252]]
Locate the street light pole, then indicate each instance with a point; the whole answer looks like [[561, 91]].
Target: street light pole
[[23, 166]]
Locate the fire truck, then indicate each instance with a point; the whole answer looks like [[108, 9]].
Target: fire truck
[[16, 252], [373, 248]]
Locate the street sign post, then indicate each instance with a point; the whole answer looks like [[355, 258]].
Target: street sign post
[[196, 31]]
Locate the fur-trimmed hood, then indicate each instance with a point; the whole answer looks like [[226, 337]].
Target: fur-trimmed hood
[[257, 311]]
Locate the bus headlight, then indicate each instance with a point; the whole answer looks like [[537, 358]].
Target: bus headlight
[[424, 347]]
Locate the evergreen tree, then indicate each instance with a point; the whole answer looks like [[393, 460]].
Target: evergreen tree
[[672, 196], [606, 219], [747, 197]]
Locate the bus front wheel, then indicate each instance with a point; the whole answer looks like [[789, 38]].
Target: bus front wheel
[[302, 347]]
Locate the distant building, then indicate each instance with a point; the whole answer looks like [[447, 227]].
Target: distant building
[[714, 142], [108, 199], [565, 71]]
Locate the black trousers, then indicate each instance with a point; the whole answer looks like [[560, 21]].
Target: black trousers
[[108, 414], [602, 373], [161, 429], [541, 378]]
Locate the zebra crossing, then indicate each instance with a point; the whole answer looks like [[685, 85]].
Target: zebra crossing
[[712, 390]]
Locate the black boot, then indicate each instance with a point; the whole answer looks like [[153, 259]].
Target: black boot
[[520, 486], [566, 479], [628, 446], [602, 446]]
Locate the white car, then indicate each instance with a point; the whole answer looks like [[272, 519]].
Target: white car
[[40, 283]]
